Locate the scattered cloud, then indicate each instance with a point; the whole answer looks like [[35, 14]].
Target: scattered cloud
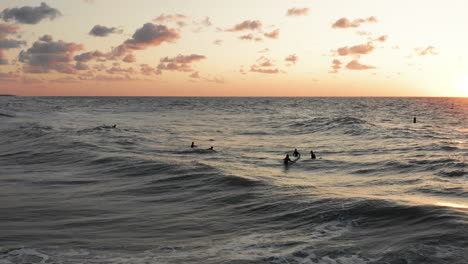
[[195, 75], [346, 23], [129, 58], [363, 33], [206, 22], [6, 29], [356, 50], [250, 37], [103, 31], [11, 43], [255, 68], [292, 58], [116, 69], [29, 14], [273, 35], [218, 80], [265, 50], [179, 63], [151, 35], [165, 18], [44, 56], [298, 12], [382, 38], [336, 66], [66, 79], [264, 65], [148, 70], [355, 65], [218, 42], [8, 77], [246, 25], [87, 56], [430, 50]]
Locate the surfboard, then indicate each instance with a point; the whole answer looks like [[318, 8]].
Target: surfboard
[[296, 159]]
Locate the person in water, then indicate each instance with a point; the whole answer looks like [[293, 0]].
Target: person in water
[[296, 153], [287, 160], [193, 145], [211, 148], [312, 155]]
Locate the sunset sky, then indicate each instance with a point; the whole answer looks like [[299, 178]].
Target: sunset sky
[[234, 48]]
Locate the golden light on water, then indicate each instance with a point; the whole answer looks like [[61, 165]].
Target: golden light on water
[[453, 205]]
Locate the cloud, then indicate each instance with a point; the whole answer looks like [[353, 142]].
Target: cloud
[[298, 12], [356, 50], [116, 69], [246, 25], [265, 50], [148, 70], [430, 50], [129, 58], [164, 18], [355, 65], [87, 56], [346, 23], [219, 80], [6, 29], [250, 37], [103, 31], [81, 66], [206, 22], [195, 75], [179, 63], [255, 68], [382, 38], [292, 58], [11, 43], [151, 35], [53, 55], [8, 77], [264, 65], [218, 42], [46, 38], [30, 15], [273, 35], [336, 65], [67, 79]]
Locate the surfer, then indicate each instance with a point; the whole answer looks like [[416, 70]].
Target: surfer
[[193, 145], [296, 153], [414, 120], [287, 159], [211, 148], [312, 155]]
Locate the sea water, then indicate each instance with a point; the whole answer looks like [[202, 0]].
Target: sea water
[[382, 189]]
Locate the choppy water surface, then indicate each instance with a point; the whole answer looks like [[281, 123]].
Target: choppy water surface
[[383, 190]]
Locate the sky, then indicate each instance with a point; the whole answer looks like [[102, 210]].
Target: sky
[[233, 48]]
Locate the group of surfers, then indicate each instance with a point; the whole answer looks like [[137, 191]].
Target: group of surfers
[[286, 160], [296, 153]]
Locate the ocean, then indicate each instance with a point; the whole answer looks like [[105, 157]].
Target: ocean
[[74, 189]]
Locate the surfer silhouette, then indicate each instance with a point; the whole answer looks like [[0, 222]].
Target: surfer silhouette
[[287, 159], [414, 120], [193, 145], [211, 148], [312, 155], [296, 153]]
